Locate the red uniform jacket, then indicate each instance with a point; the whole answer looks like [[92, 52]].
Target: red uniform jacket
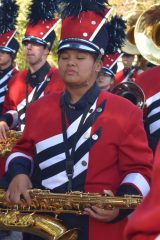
[[16, 98], [114, 149], [144, 223], [149, 81], [121, 77], [4, 82], [16, 95]]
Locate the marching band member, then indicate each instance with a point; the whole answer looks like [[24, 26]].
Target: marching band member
[[106, 76], [147, 42], [129, 71], [82, 140], [8, 47], [149, 82], [40, 79], [144, 223]]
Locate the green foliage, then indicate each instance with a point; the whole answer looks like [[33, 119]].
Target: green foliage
[[21, 25]]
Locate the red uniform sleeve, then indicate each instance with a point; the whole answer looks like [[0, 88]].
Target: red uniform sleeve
[[144, 223], [21, 158], [8, 102], [135, 153]]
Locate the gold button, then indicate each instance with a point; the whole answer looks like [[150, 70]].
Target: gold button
[[84, 163]]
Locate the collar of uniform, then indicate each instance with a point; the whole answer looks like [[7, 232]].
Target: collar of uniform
[[38, 76], [82, 103], [5, 71]]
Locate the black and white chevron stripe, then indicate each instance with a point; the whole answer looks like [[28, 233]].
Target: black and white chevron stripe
[[153, 117], [51, 155], [3, 85], [21, 107]]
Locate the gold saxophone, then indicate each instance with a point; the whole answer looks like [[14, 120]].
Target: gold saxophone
[[24, 217], [70, 202], [7, 144]]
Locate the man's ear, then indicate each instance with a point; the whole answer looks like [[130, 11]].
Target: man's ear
[[99, 65], [46, 51]]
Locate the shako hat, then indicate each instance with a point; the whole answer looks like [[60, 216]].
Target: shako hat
[[42, 22], [85, 27], [110, 63], [8, 14]]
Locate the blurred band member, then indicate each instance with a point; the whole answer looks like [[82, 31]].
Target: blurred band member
[[106, 76], [150, 84], [129, 71], [144, 223], [9, 47]]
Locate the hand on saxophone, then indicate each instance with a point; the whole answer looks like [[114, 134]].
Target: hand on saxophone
[[18, 188], [102, 214], [3, 129]]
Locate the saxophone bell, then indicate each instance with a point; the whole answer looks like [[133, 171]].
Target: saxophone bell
[[43, 226]]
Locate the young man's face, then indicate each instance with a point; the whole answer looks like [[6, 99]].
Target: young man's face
[[5, 60], [78, 68], [35, 53], [128, 60], [105, 81]]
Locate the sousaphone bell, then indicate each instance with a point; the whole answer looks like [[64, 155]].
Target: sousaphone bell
[[129, 44], [147, 34], [130, 91]]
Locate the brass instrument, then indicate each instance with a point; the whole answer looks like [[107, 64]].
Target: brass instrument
[[130, 45], [132, 92], [71, 202], [24, 217], [44, 226], [7, 144], [147, 34]]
